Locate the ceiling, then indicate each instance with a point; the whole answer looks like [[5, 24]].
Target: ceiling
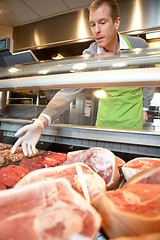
[[19, 12]]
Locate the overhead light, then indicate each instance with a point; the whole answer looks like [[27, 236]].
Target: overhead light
[[153, 35], [58, 57], [12, 70], [100, 94]]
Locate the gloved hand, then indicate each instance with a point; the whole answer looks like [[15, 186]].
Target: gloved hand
[[29, 136]]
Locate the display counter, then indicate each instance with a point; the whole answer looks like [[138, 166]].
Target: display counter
[[139, 67]]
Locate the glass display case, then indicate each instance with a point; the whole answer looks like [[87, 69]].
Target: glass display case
[[26, 89]]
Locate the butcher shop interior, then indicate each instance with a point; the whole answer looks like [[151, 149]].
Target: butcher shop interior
[[102, 178]]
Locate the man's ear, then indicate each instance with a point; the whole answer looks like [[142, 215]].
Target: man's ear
[[117, 23]]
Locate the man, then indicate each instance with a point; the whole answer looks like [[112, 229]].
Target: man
[[123, 106]]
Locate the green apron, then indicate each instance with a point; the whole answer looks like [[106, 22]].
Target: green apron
[[122, 107]]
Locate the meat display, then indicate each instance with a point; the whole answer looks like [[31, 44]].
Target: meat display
[[47, 210], [10, 175], [4, 146], [137, 165], [7, 157], [150, 176], [131, 210], [95, 184], [49, 159], [101, 160]]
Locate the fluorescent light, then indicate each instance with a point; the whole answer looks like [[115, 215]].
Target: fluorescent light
[[153, 35]]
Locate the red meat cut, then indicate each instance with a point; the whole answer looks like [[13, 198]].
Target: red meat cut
[[49, 159], [31, 164], [131, 210], [47, 210], [101, 160], [52, 159], [137, 165], [11, 174], [95, 184]]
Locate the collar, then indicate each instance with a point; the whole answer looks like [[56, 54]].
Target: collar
[[123, 45]]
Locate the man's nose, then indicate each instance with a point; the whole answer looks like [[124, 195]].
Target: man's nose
[[97, 28]]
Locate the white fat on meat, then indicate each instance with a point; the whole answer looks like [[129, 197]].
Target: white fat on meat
[[48, 210], [136, 165], [101, 160], [131, 210], [95, 184]]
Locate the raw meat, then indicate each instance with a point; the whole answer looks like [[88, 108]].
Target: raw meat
[[49, 159], [11, 174], [101, 160], [137, 165], [151, 236], [47, 210], [95, 184], [7, 157], [31, 163], [150, 176], [130, 210], [4, 146], [2, 186], [52, 159]]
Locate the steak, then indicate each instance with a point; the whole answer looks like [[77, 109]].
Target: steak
[[137, 165], [50, 159], [131, 210], [101, 160], [31, 163], [11, 174], [95, 184], [47, 210]]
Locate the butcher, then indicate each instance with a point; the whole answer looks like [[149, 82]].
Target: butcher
[[123, 108]]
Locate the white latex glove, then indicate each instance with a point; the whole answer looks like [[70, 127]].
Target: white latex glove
[[29, 136]]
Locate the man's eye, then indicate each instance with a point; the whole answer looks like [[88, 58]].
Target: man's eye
[[103, 22], [92, 24]]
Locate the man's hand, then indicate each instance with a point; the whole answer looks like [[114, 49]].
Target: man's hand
[[29, 136], [145, 117]]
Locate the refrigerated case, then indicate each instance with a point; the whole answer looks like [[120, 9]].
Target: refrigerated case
[[26, 89]]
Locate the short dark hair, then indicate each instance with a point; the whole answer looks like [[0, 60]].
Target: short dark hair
[[114, 13]]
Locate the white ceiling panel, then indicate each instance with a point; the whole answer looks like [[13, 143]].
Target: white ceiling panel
[[78, 3], [46, 8], [17, 12]]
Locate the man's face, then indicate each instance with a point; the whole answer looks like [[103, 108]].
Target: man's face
[[103, 29]]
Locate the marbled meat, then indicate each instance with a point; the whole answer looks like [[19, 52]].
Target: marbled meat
[[95, 184], [47, 210]]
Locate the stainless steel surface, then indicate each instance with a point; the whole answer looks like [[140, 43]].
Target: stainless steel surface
[[70, 27], [133, 142], [139, 15], [137, 77], [116, 71], [136, 16], [86, 63]]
